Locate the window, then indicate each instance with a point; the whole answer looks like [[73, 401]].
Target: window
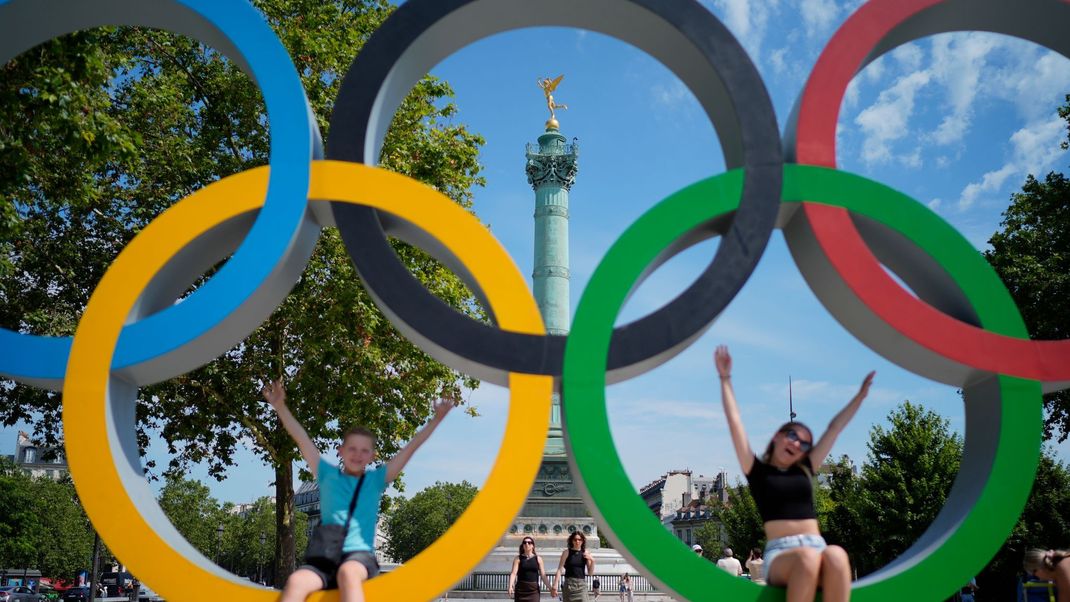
[[689, 536], [30, 455]]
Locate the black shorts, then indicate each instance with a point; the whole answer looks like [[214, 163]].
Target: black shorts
[[328, 572]]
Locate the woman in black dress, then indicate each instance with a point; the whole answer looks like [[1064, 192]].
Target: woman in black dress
[[526, 573]]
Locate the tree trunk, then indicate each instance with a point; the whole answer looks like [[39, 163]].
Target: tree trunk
[[285, 550]]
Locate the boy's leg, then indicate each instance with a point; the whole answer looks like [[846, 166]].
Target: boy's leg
[[356, 568], [301, 583]]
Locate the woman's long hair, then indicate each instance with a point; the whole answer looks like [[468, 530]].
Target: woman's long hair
[[1043, 559], [787, 426], [583, 540]]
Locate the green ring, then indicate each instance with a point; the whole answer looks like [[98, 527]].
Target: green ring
[[967, 548]]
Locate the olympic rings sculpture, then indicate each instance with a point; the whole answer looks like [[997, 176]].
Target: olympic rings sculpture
[[962, 329]]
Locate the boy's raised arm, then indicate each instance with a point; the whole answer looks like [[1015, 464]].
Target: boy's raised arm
[[275, 394], [396, 464]]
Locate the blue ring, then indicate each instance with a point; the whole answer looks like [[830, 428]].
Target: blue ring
[[237, 29]]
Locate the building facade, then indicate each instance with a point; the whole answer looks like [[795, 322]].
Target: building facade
[[38, 460]]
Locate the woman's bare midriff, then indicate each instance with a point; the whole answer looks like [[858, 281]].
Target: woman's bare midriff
[[775, 529]]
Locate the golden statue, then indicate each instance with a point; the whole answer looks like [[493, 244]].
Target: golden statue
[[548, 86]]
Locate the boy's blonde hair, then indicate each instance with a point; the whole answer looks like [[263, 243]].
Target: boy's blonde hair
[[1043, 559], [361, 431]]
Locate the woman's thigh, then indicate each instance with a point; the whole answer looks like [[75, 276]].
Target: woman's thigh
[[788, 561]]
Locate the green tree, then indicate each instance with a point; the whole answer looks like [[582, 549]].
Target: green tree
[[841, 522], [125, 122], [196, 515], [249, 538], [909, 471], [1031, 253], [44, 526], [742, 523], [710, 535], [21, 525], [415, 523]]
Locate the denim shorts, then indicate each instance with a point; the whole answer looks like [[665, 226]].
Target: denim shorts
[[783, 544]]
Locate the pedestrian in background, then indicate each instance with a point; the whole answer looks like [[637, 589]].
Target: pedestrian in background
[[730, 564], [756, 566]]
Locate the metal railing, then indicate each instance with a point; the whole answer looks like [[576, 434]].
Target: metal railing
[[499, 582]]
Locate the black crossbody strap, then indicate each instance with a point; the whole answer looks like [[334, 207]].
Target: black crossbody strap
[[353, 502]]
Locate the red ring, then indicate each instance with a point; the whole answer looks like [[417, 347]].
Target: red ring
[[815, 144]]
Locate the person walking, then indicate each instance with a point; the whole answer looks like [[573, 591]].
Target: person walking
[[625, 588], [576, 563], [781, 482], [527, 571]]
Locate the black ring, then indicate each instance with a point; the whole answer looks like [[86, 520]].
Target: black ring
[[687, 39]]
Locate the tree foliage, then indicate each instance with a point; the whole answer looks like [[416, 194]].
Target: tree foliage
[[741, 521], [1031, 253], [197, 516], [241, 540], [115, 125], [44, 526], [909, 470], [249, 539], [417, 522]]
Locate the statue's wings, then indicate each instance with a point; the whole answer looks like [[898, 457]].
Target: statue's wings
[[553, 84]]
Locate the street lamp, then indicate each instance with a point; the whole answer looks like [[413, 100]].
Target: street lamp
[[260, 559], [219, 544]]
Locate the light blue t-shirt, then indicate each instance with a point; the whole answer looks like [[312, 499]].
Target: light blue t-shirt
[[336, 491]]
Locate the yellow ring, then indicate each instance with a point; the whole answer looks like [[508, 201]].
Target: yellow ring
[[90, 428]]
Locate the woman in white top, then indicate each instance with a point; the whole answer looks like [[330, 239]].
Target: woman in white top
[[756, 566]]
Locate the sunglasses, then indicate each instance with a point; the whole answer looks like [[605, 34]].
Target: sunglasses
[[794, 437], [528, 541]]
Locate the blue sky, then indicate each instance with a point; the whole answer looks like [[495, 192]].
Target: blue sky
[[955, 120]]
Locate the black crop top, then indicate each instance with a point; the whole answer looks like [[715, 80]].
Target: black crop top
[[575, 565], [782, 494], [528, 570]]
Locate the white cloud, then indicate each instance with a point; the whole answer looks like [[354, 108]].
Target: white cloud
[[669, 408], [935, 204], [1034, 149], [888, 119], [990, 182], [818, 16], [581, 39], [776, 60], [913, 160], [824, 392], [875, 70], [748, 20], [670, 95], [1034, 79], [958, 63], [851, 94], [909, 56]]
